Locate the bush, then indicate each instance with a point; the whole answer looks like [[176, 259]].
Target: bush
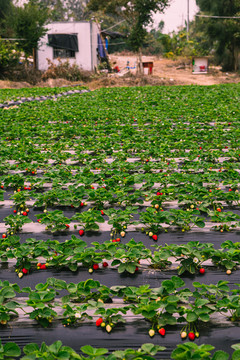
[[9, 57], [66, 71]]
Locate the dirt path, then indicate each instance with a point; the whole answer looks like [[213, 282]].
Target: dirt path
[[179, 72]]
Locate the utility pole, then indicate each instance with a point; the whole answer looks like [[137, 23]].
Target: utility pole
[[187, 20]]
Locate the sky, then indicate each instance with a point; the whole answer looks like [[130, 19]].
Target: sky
[[176, 14]]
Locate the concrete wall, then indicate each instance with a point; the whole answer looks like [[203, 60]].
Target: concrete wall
[[86, 57]]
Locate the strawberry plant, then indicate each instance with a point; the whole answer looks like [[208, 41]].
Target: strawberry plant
[[45, 352], [190, 255], [119, 219], [225, 219], [111, 317], [54, 220], [86, 290], [74, 314], [9, 351], [8, 306], [127, 257], [41, 300], [20, 198], [89, 220], [15, 223]]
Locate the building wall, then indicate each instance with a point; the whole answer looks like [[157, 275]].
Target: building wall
[[86, 57]]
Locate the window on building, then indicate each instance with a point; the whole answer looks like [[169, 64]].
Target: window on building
[[63, 53], [64, 45]]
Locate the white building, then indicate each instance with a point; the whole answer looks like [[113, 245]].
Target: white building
[[76, 42]]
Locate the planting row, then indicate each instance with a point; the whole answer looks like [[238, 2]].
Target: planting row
[[152, 221], [9, 95], [147, 351], [75, 252], [168, 305]]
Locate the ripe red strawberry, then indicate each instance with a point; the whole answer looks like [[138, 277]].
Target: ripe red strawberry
[[105, 264], [118, 239], [99, 321], [67, 226], [72, 206], [24, 271], [201, 271], [191, 336], [136, 269], [1, 186], [230, 190], [24, 213], [43, 267], [162, 331], [81, 232], [95, 266], [82, 204], [219, 210], [102, 212], [33, 172], [4, 236], [154, 237], [14, 211], [25, 188], [200, 148]]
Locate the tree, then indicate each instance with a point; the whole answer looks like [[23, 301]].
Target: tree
[[225, 32], [138, 15], [29, 24], [6, 7], [54, 8]]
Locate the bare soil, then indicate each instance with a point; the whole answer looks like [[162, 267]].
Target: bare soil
[[165, 72]]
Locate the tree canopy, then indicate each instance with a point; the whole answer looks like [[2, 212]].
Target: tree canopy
[[224, 32], [137, 13]]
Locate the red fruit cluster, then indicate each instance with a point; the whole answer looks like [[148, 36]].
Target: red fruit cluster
[[191, 336], [162, 331], [99, 321], [159, 193]]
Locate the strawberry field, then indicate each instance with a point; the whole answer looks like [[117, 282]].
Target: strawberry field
[[120, 223]]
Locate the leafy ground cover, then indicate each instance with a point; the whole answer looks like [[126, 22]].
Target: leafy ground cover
[[150, 160]]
